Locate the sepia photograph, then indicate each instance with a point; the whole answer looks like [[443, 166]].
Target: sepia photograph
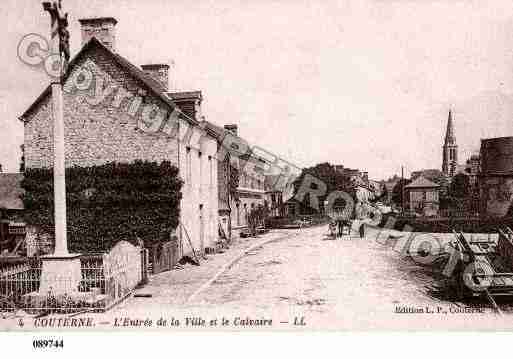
[[267, 166]]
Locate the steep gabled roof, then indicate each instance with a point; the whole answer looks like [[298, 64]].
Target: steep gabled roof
[[154, 86], [422, 182]]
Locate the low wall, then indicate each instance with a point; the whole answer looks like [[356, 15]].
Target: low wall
[[444, 225]]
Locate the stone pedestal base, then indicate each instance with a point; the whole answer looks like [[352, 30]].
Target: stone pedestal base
[[60, 274]]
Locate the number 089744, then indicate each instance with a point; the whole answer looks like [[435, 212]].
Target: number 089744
[[47, 343]]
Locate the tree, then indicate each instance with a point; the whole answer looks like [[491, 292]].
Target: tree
[[329, 176], [397, 192], [460, 186]]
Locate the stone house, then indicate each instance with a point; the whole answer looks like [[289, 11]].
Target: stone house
[[116, 111], [423, 196], [223, 178], [234, 208], [250, 192], [274, 196], [495, 180]]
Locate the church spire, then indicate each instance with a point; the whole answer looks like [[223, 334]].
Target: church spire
[[450, 137], [450, 149]]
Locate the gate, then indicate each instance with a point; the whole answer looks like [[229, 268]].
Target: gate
[[165, 256]]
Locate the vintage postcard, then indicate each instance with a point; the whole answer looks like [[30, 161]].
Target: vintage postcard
[[256, 165]]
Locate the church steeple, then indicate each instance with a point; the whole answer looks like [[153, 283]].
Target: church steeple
[[450, 149], [450, 138]]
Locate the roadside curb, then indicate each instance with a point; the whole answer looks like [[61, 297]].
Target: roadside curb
[[234, 260]]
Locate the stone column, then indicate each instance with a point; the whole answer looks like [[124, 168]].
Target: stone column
[[61, 272], [59, 179]]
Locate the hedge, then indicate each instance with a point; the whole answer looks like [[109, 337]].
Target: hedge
[[446, 225], [108, 203]]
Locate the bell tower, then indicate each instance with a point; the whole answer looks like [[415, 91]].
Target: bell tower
[[450, 149]]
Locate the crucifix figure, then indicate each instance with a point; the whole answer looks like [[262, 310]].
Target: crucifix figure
[[59, 24]]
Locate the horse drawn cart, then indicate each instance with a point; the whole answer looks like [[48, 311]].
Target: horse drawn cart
[[340, 224]]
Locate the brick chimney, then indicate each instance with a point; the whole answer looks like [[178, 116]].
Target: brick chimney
[[232, 128], [103, 28], [159, 72], [189, 102]]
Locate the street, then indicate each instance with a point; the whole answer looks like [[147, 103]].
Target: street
[[301, 278], [288, 280]]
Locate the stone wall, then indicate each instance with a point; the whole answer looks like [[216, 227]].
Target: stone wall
[[496, 178]]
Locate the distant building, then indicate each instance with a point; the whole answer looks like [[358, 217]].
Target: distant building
[[450, 149], [355, 175], [364, 193], [278, 190], [436, 176], [423, 196], [11, 205], [234, 208], [377, 187], [496, 176], [471, 168], [389, 184], [12, 228]]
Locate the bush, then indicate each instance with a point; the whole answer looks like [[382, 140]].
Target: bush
[[108, 203]]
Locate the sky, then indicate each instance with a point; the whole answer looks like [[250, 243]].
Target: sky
[[363, 83]]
